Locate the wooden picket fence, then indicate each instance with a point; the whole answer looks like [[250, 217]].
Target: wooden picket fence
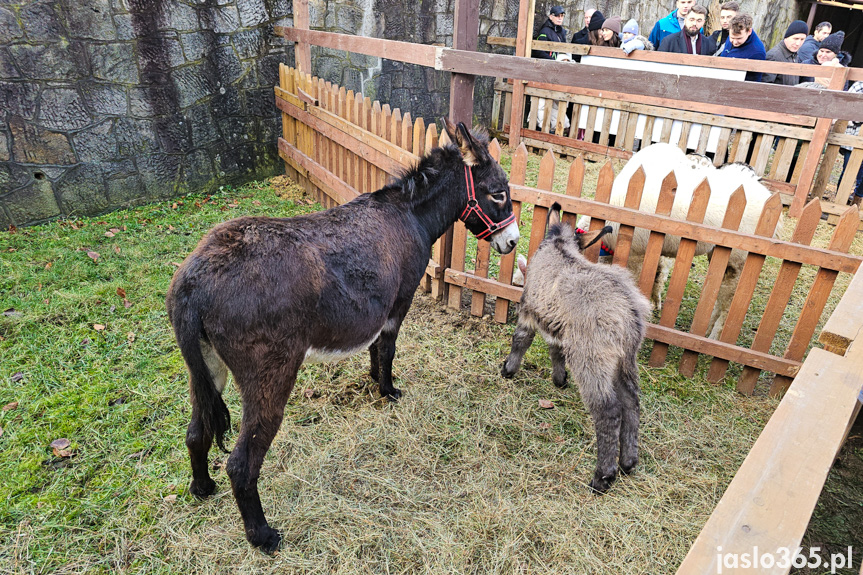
[[339, 144]]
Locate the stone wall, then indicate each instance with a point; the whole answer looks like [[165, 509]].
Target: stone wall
[[109, 103]]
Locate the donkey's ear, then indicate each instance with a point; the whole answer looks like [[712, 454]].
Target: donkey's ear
[[449, 132], [553, 215], [587, 239], [470, 149]]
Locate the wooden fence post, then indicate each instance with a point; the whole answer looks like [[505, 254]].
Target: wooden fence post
[[522, 48], [816, 147]]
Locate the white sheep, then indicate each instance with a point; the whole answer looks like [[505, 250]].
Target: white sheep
[[593, 318], [658, 160]]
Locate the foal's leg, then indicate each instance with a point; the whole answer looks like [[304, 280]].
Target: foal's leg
[[264, 397], [627, 390], [558, 365], [375, 363], [597, 391], [198, 441], [521, 340]]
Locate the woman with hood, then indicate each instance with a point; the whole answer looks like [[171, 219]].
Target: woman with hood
[[830, 53]]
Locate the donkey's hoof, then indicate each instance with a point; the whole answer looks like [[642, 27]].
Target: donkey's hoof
[[601, 484], [627, 468], [506, 371], [393, 395], [562, 384], [266, 538], [202, 489]]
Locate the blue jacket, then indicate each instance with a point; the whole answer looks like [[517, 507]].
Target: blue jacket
[[808, 50], [752, 49], [664, 27]]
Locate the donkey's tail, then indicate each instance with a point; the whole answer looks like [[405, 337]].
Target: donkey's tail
[[206, 397]]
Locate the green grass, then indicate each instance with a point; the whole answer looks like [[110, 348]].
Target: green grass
[[466, 474]]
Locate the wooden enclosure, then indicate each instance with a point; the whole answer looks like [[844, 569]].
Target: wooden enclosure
[[338, 144], [794, 153]]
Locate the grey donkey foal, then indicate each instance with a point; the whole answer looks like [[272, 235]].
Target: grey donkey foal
[[593, 318]]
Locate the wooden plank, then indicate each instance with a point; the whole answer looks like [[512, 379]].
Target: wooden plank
[[713, 280], [722, 147], [763, 148], [683, 141], [828, 159], [517, 175], [303, 49], [483, 253], [817, 297], [780, 294], [423, 55], [591, 124], [845, 324], [542, 139], [772, 496], [680, 275], [629, 141], [849, 178], [625, 233], [533, 114], [602, 195], [734, 239], [545, 181], [665, 134], [323, 178], [653, 250], [606, 128]]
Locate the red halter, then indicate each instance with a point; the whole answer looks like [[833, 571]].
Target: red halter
[[473, 206]]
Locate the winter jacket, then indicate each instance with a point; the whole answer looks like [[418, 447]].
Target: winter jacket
[[752, 49], [637, 43], [676, 43], [664, 27], [808, 50], [781, 53], [719, 37], [549, 33], [843, 57]]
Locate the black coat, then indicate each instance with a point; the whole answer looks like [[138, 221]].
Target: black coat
[[549, 33], [676, 43], [581, 37]]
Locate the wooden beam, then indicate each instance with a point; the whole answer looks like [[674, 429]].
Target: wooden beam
[[319, 175], [845, 324], [522, 49], [409, 52], [754, 95], [302, 50], [772, 496], [465, 37], [767, 246]]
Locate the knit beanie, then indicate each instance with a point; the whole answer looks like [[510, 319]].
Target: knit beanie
[[612, 24], [631, 26], [833, 42], [596, 21], [797, 27]]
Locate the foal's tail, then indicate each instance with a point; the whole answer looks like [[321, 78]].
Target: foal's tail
[[206, 398]]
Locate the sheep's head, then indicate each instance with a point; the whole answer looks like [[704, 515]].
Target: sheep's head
[[554, 228]]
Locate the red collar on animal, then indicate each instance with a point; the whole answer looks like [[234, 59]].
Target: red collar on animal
[[473, 206], [604, 250]]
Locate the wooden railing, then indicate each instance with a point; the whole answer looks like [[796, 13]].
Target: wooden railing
[[795, 153], [339, 144]]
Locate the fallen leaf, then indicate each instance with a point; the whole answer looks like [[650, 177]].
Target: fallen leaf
[[256, 202], [121, 292], [85, 342], [116, 249], [233, 205], [98, 327], [170, 227], [48, 265], [170, 498], [309, 393], [16, 377], [10, 406], [174, 206], [130, 336], [115, 230], [62, 453], [112, 308], [61, 443], [545, 426], [127, 304], [175, 264], [47, 301], [546, 404], [109, 234], [93, 255]]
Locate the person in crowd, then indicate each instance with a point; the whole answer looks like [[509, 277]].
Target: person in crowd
[[631, 40], [593, 27], [727, 11], [581, 37], [609, 34], [853, 130], [552, 30], [690, 40], [786, 51], [812, 43], [671, 24], [829, 54], [743, 42]]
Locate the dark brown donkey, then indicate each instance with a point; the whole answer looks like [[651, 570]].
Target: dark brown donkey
[[261, 296]]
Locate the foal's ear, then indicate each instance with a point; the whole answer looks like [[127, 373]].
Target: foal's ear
[[553, 216], [587, 239]]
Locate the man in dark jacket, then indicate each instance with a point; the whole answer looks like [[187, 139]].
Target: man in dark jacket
[[810, 46], [743, 42], [671, 24], [786, 51], [727, 12], [552, 31], [593, 25], [690, 40], [582, 36]]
